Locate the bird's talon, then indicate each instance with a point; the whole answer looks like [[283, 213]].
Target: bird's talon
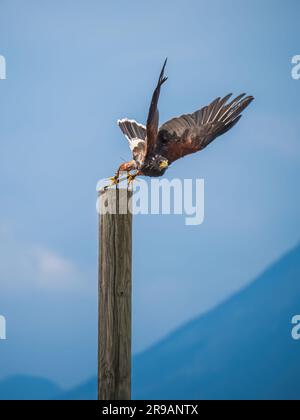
[[114, 180], [130, 178]]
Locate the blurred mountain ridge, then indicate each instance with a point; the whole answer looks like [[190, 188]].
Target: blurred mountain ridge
[[242, 349]]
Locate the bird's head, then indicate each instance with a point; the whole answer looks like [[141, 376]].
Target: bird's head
[[161, 163], [155, 166]]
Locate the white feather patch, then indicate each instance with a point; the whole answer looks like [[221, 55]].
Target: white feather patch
[[135, 143]]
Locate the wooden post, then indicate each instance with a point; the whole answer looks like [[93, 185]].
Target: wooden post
[[115, 289]]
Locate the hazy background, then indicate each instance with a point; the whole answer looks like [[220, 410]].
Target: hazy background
[[73, 69]]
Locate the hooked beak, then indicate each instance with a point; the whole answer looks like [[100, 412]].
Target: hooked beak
[[164, 164]]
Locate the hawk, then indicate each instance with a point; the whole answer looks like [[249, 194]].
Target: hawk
[[155, 148]]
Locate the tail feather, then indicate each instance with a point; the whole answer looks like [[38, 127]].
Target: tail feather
[[132, 130]]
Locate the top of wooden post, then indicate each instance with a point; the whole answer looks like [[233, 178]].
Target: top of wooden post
[[115, 201]]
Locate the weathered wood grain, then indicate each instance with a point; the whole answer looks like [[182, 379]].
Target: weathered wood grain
[[115, 290]]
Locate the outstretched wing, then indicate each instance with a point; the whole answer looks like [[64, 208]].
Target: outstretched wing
[[153, 116], [136, 136], [193, 132]]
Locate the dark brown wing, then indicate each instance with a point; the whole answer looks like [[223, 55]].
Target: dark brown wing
[[153, 116], [193, 132]]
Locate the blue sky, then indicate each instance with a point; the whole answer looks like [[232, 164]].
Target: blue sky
[[73, 69]]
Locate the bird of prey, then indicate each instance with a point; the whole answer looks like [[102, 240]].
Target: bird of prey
[[155, 148]]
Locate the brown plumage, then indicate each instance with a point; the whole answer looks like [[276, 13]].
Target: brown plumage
[[154, 149]]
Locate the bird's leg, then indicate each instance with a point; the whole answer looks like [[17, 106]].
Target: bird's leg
[[125, 167], [115, 179], [131, 177]]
